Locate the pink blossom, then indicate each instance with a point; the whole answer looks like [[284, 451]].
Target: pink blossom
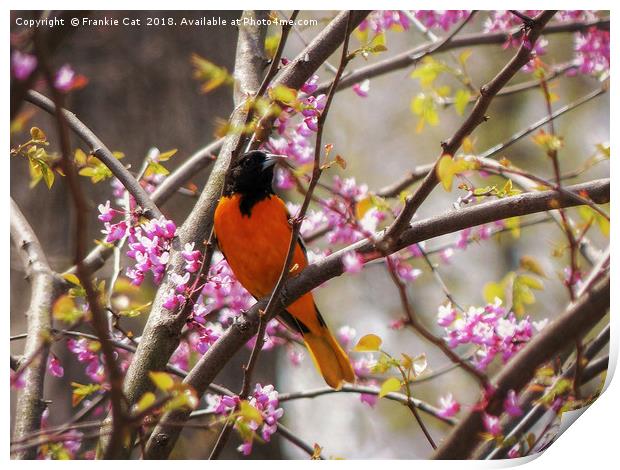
[[369, 399], [54, 367], [446, 314], [311, 85], [446, 254], [443, 19], [491, 424], [353, 262], [191, 257], [592, 51], [173, 300], [383, 20], [362, 88], [22, 64], [114, 232], [295, 356], [493, 329], [66, 79], [448, 406], [346, 335], [511, 404], [106, 212], [17, 379]]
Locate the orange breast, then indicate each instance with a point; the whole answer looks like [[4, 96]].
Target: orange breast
[[256, 247]]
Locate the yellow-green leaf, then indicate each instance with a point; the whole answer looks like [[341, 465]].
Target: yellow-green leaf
[[81, 391], [165, 156], [445, 172], [144, 402], [162, 380], [250, 413], [461, 99], [530, 264], [65, 310], [368, 343], [390, 385], [283, 94]]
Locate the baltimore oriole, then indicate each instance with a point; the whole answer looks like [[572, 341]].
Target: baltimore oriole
[[253, 232]]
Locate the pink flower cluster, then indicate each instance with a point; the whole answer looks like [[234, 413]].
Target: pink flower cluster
[[493, 329], [222, 293], [380, 21], [592, 51], [443, 19], [264, 399], [87, 352], [149, 245]]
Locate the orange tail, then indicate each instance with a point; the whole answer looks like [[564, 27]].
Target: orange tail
[[329, 358]]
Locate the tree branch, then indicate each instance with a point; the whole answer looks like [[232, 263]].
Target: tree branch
[[44, 287]]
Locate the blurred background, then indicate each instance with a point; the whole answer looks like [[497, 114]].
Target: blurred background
[[141, 94]]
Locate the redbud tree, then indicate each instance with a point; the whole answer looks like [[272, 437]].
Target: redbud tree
[[480, 269]]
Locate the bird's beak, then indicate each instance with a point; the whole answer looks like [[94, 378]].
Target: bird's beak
[[272, 159]]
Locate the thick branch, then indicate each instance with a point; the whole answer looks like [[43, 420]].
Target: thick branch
[[44, 287], [579, 318]]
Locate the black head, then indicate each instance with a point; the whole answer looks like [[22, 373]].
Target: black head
[[251, 176]]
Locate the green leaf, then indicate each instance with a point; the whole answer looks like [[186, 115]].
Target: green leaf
[[463, 56], [209, 73], [66, 311], [72, 278], [156, 168], [461, 100], [589, 216], [445, 172], [162, 380], [184, 399], [514, 224], [390, 385], [250, 413], [530, 264], [368, 343], [81, 391], [429, 71], [283, 94], [492, 290], [144, 402], [165, 156]]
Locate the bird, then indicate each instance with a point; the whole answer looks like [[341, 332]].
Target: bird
[[253, 232]]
